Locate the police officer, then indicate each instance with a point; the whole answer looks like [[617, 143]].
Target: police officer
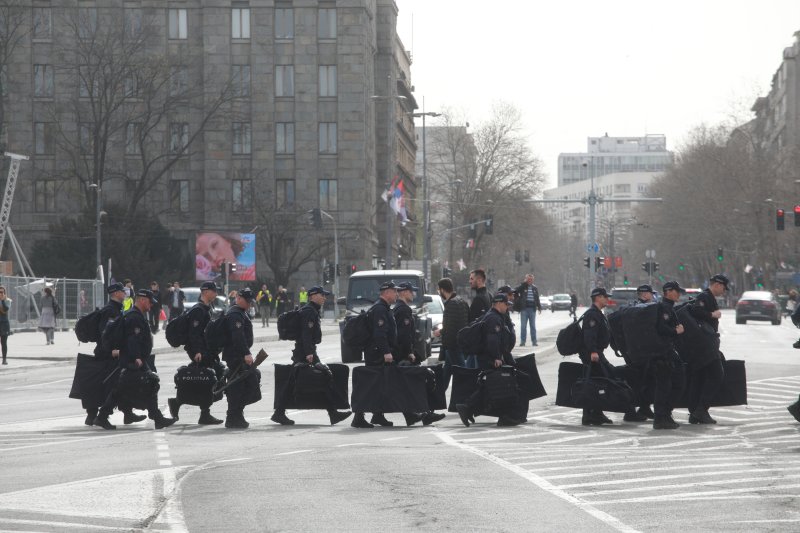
[[705, 367], [305, 353], [511, 336], [135, 357], [236, 353], [379, 350], [403, 352], [197, 319], [596, 338], [662, 366], [644, 294], [495, 341], [113, 309]]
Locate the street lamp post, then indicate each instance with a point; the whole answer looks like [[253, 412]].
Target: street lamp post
[[457, 183], [336, 263], [426, 213]]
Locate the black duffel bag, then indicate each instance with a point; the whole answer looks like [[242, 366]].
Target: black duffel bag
[[604, 393], [311, 380], [93, 380], [528, 380], [285, 376], [136, 387], [195, 384], [500, 386], [733, 390], [390, 389]]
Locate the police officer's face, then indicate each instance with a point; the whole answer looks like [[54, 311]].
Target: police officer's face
[[672, 295], [406, 296], [502, 307], [390, 295], [318, 298], [646, 296], [717, 288], [242, 302], [144, 303]]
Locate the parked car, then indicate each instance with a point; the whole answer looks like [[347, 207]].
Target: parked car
[[561, 302], [218, 307], [689, 294], [620, 297], [435, 312], [545, 302], [758, 305]]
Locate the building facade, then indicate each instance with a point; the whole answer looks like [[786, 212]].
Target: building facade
[[267, 105]]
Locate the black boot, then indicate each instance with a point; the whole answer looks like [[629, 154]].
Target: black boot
[[603, 418], [634, 416], [337, 416], [280, 417], [794, 409], [664, 422], [411, 418], [360, 422], [174, 407], [431, 417], [102, 421], [236, 421], [379, 419], [701, 416], [647, 412], [91, 414], [130, 417], [206, 419], [508, 421], [465, 413], [590, 418], [162, 421]]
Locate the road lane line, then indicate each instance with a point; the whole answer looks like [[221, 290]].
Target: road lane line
[[351, 444], [393, 438], [652, 488], [542, 483], [71, 525], [675, 476], [292, 453], [692, 496], [35, 385]]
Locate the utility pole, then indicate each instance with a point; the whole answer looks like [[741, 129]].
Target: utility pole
[[426, 213]]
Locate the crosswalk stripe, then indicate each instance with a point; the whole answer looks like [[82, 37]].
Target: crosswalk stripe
[[671, 476], [702, 495], [654, 488]]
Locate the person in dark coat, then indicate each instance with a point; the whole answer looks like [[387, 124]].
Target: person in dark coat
[[5, 325], [196, 348], [305, 353], [134, 358], [236, 353], [663, 365], [176, 298], [706, 372], [596, 338], [154, 316], [379, 350], [479, 306], [454, 318]]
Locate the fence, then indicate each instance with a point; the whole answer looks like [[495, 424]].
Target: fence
[[75, 296]]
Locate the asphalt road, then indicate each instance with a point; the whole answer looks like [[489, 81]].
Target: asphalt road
[[551, 474]]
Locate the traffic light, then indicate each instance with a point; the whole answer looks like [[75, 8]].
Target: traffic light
[[779, 218], [618, 262], [446, 272], [646, 267], [607, 262], [720, 256], [655, 267], [527, 256], [489, 224], [797, 215], [625, 281], [233, 268], [353, 269], [315, 218], [586, 262], [518, 256], [598, 262], [338, 270], [473, 231]]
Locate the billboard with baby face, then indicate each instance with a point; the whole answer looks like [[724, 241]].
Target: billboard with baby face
[[213, 249]]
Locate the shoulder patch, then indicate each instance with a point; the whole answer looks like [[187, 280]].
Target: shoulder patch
[[195, 323], [238, 324], [592, 323], [380, 322], [137, 330], [666, 316], [498, 327], [310, 324]]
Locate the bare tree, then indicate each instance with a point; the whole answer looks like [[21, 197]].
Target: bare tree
[[12, 31]]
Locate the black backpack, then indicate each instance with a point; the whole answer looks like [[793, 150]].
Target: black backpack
[[216, 334], [113, 334], [570, 339], [470, 337], [289, 325], [177, 332], [87, 328], [357, 331]]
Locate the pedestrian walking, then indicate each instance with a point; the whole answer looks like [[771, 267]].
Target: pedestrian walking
[[236, 353], [5, 325], [264, 301], [573, 305], [454, 317], [596, 338], [155, 311], [480, 306], [47, 320], [528, 305]]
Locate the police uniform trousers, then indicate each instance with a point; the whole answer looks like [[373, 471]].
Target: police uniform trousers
[[705, 379], [113, 399], [662, 369], [597, 370], [240, 394]]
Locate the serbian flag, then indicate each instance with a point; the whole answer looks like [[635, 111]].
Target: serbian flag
[[395, 195]]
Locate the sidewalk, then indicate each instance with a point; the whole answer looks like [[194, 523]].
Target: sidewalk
[[28, 349]]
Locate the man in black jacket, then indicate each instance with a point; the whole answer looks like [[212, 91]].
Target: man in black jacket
[[596, 338], [663, 365], [197, 319], [134, 355], [528, 304], [155, 310], [480, 306], [236, 353], [176, 298], [379, 350], [454, 318], [305, 353], [706, 372]]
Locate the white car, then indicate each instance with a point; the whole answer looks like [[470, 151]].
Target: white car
[[435, 311], [219, 306], [545, 301]]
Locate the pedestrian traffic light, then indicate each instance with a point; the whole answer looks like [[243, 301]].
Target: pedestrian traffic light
[[625, 281], [489, 224], [681, 266], [646, 267], [445, 272], [586, 261], [473, 230], [233, 268], [720, 257], [779, 219], [315, 218], [797, 215], [607, 262], [598, 262]]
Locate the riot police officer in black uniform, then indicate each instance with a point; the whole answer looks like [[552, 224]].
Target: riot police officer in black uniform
[[379, 350], [511, 334], [596, 338], [198, 318], [492, 356], [136, 357], [663, 365], [705, 367], [637, 376], [403, 352], [236, 353], [305, 353]]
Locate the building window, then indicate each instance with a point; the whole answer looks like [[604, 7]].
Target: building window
[[284, 80], [327, 80], [241, 138], [284, 137], [131, 86], [179, 195], [242, 195], [240, 23], [178, 80], [86, 137], [43, 81], [326, 23], [133, 21], [284, 195], [327, 137], [44, 192], [178, 136], [88, 82], [177, 24], [44, 138], [42, 23], [284, 23], [241, 80], [87, 22], [132, 131], [328, 194]]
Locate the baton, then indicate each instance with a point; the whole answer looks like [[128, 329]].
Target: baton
[[239, 376], [111, 374]]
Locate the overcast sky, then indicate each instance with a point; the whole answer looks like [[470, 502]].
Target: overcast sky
[[580, 68]]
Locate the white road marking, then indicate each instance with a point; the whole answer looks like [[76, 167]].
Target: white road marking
[[653, 488], [36, 385], [671, 476], [292, 453], [693, 496], [393, 438], [79, 525], [232, 460], [351, 444], [542, 483]]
